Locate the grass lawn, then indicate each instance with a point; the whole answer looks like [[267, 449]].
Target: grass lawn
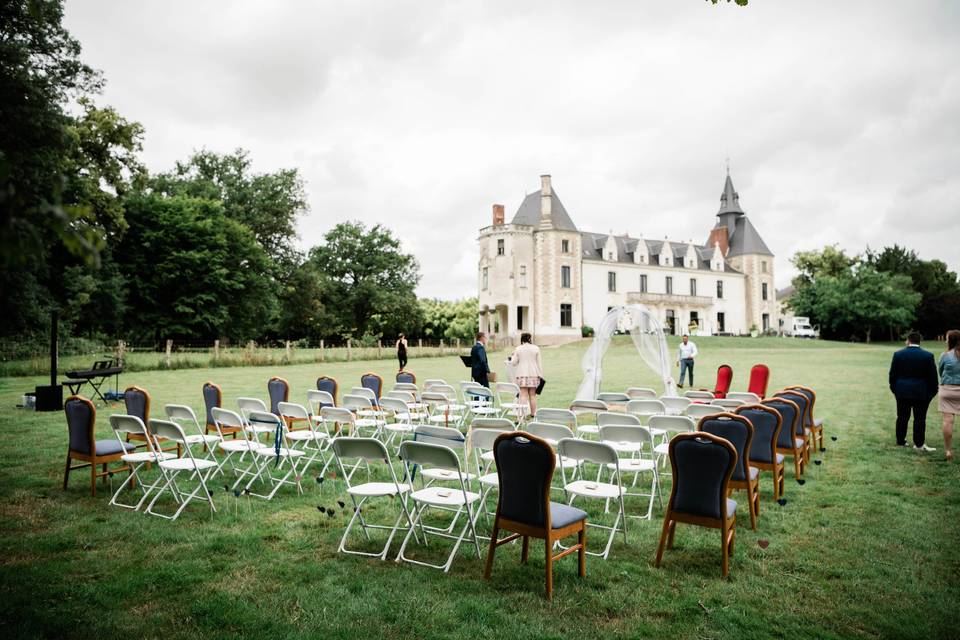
[[867, 547]]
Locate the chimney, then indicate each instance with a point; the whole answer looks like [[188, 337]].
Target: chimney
[[720, 235], [546, 203], [497, 215]]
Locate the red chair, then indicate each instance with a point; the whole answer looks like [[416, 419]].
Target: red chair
[[724, 377], [759, 376]]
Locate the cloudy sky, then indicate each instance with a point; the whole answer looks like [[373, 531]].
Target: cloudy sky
[[841, 119]]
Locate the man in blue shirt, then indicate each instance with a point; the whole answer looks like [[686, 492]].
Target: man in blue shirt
[[913, 381], [479, 369]]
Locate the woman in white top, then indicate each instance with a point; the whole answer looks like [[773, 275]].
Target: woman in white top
[[528, 370]]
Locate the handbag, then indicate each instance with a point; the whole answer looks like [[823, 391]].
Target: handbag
[[540, 386]]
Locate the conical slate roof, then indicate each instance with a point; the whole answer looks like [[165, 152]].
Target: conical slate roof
[[746, 239], [729, 199], [529, 212]]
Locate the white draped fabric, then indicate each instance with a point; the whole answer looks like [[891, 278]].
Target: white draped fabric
[[648, 338]]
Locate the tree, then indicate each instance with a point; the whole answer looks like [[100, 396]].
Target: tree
[[303, 311], [371, 281], [450, 320], [830, 261]]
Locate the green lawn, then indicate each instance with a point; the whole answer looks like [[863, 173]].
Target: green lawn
[[865, 548]]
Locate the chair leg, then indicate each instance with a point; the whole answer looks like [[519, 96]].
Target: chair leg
[[725, 551], [491, 550], [549, 558], [753, 499], [673, 530], [66, 473], [525, 549], [93, 479], [663, 539], [582, 552]]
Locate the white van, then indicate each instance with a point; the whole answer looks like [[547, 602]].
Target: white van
[[801, 328]]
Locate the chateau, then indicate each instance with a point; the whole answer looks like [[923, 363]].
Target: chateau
[[540, 273]]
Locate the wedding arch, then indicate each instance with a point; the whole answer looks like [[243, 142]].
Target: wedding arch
[[647, 335]]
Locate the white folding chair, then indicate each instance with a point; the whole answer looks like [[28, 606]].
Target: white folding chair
[[317, 399], [407, 386], [244, 444], [398, 419], [696, 394], [440, 458], [557, 416], [434, 382], [481, 440], [675, 405], [632, 439], [635, 393], [480, 401], [123, 425], [200, 469], [508, 398], [313, 441], [586, 407], [645, 408], [614, 399], [181, 413], [246, 405], [442, 410], [670, 426], [744, 396], [553, 434], [371, 451], [697, 411], [368, 417], [275, 457], [602, 454], [729, 403]]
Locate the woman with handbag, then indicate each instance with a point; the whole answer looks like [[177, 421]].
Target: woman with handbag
[[528, 370]]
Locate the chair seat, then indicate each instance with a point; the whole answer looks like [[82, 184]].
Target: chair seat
[[399, 427], [444, 497], [562, 515], [371, 489], [566, 463], [762, 460], [368, 422], [146, 456], [490, 480], [199, 438], [261, 428], [236, 445], [588, 428], [112, 447], [731, 507], [817, 423], [754, 472], [417, 406], [662, 449], [512, 405], [590, 489], [186, 464], [484, 411], [452, 408], [284, 452], [442, 419], [799, 442], [625, 447], [487, 456], [446, 475], [304, 435], [657, 433], [632, 465]]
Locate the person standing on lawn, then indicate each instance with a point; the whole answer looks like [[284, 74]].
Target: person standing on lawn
[[950, 388], [685, 356], [913, 381], [528, 371], [402, 351], [479, 368]]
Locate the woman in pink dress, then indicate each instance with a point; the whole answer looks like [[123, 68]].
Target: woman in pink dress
[[528, 370]]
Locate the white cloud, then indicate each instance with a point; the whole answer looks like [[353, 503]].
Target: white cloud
[[840, 118]]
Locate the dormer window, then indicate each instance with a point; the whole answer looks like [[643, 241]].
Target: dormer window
[[643, 259], [500, 247], [610, 255]]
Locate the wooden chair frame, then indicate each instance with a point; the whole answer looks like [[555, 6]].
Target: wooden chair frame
[[752, 487], [545, 533], [799, 462], [379, 391], [408, 373], [816, 430], [727, 526], [336, 387], [145, 418], [806, 418], [91, 459], [209, 425], [777, 468]]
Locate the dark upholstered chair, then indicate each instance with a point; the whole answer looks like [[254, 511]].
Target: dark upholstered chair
[[739, 431], [766, 423], [802, 432], [83, 446], [525, 466], [328, 384], [373, 382], [814, 426], [137, 403], [213, 398], [278, 390], [702, 464], [759, 377], [787, 443], [724, 378], [406, 376]]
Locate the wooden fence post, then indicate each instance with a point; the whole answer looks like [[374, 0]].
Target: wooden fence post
[[121, 352], [287, 348], [322, 355], [216, 350], [458, 345], [419, 347], [379, 349], [349, 349], [441, 346], [169, 349]]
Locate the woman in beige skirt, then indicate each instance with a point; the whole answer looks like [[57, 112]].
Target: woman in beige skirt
[[528, 370], [950, 388]]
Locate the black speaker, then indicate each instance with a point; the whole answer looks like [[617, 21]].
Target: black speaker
[[50, 398]]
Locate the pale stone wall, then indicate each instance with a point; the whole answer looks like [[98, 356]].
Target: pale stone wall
[[549, 295], [752, 267]]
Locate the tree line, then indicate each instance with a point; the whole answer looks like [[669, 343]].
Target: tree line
[[204, 250], [876, 294]]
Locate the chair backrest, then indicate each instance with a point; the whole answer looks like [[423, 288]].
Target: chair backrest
[[406, 376], [212, 397], [373, 382], [318, 399], [803, 403], [483, 439], [635, 393], [789, 418], [739, 431], [613, 397], [169, 430], [365, 392], [293, 410], [587, 451], [81, 418], [646, 407], [724, 378], [811, 397], [702, 464], [497, 424], [759, 377], [434, 397], [696, 394], [366, 448], [697, 411], [728, 402], [585, 405], [278, 391], [226, 418], [556, 416], [676, 404], [328, 384], [429, 454], [507, 392], [626, 433], [475, 391], [178, 412], [402, 396], [607, 418], [246, 405], [548, 431], [394, 405], [338, 415], [407, 386], [445, 436], [129, 424], [672, 424], [263, 418], [433, 382], [525, 466], [137, 403], [351, 401], [744, 396], [447, 390], [766, 423]]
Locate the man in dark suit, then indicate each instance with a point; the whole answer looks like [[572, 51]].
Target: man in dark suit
[[479, 369], [913, 381]]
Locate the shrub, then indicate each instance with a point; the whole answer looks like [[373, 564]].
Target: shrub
[[586, 332]]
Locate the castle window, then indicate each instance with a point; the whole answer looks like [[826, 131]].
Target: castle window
[[763, 290], [643, 283], [611, 281], [486, 279], [719, 289], [565, 277], [610, 255], [669, 284], [564, 246], [523, 276], [720, 322], [566, 315], [693, 286], [766, 322], [763, 266], [500, 248], [643, 259]]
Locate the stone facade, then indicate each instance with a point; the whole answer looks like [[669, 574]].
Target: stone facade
[[539, 273]]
